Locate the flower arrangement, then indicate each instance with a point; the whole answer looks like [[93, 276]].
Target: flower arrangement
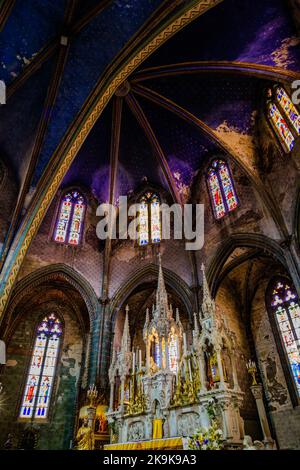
[[210, 439]]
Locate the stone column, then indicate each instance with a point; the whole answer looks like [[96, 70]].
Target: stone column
[[101, 344], [220, 367], [225, 413], [111, 396], [257, 391], [234, 373], [203, 378], [122, 393]]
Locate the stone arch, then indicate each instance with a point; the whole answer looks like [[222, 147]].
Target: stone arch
[[141, 276], [156, 404], [60, 274], [84, 122], [150, 273], [60, 289], [241, 240]]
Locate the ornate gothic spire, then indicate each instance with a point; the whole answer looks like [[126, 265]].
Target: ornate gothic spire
[[126, 341], [162, 307], [208, 304]]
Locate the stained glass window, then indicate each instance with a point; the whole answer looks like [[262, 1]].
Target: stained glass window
[[156, 355], [221, 188], [149, 219], [289, 108], [173, 353], [285, 304], [143, 223], [282, 129], [70, 219], [155, 220], [39, 384]]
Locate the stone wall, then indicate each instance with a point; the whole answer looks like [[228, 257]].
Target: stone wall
[[251, 216], [227, 306], [57, 431], [285, 418], [86, 259]]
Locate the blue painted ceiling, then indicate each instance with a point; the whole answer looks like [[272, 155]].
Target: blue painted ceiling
[[31, 25], [259, 32]]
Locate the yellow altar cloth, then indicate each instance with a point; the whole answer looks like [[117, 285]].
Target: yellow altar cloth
[[157, 429], [172, 443]]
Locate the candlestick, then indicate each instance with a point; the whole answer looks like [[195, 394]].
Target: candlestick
[[92, 394], [252, 370]]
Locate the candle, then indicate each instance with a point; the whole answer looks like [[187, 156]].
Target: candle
[[133, 362], [140, 359], [184, 343], [190, 369]]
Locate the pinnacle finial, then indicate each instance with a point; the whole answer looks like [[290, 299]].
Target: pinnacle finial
[[208, 305], [161, 293], [126, 341], [206, 291]]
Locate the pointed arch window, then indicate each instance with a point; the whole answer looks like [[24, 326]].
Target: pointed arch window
[[149, 219], [69, 225], [40, 378], [284, 117], [221, 188], [284, 303]]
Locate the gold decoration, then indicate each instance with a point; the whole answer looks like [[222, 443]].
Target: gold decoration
[[137, 402], [186, 392], [92, 395], [214, 368], [153, 366], [180, 22], [85, 437], [252, 370]]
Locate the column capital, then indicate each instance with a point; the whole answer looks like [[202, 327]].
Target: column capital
[[257, 391]]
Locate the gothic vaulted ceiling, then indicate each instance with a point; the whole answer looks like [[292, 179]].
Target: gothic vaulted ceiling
[[195, 95], [61, 49]]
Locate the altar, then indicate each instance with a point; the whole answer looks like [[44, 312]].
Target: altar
[[162, 395], [172, 443]]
